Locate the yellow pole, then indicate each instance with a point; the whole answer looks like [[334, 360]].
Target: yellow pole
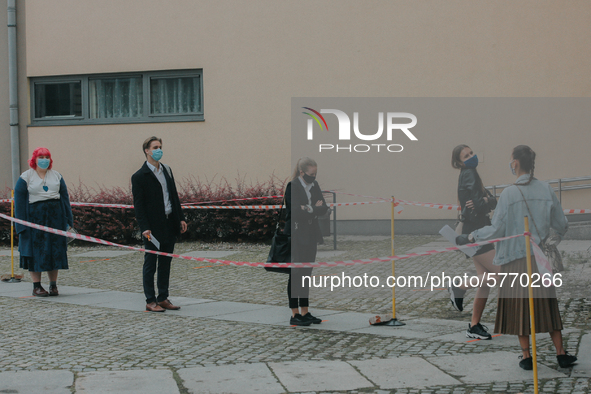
[[393, 287], [531, 304], [12, 237]]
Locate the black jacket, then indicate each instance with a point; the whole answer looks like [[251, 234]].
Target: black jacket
[[470, 188], [148, 202], [300, 224]]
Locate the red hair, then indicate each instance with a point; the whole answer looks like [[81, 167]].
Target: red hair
[[40, 152]]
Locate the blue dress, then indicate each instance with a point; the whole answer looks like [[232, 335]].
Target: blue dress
[[39, 250]]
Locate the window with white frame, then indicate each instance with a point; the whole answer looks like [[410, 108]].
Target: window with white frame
[[162, 96]]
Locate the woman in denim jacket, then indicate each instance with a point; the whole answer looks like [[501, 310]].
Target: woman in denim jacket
[[476, 203], [544, 212]]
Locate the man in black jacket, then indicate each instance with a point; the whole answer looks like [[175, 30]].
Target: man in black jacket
[[160, 217]]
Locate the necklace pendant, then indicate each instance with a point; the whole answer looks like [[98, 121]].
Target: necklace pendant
[[45, 188]]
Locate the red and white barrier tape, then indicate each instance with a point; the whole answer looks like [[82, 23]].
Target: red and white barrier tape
[[359, 195], [429, 205], [247, 263], [344, 204], [234, 199], [231, 207], [398, 208], [99, 205], [278, 196], [577, 210]]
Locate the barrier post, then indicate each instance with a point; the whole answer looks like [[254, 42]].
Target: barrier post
[[12, 277], [394, 321], [531, 304]]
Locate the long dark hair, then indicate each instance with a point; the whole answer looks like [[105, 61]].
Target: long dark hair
[[457, 163], [527, 160]]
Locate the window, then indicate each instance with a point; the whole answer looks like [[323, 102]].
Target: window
[[115, 98], [58, 100], [175, 95], [163, 96]]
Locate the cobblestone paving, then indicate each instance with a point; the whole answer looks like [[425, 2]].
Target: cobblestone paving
[[39, 336]]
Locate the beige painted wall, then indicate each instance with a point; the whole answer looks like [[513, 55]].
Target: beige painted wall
[[256, 55]]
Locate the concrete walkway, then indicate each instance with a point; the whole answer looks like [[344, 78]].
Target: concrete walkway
[[279, 377]]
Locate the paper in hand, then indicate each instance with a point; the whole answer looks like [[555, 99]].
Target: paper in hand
[[154, 241], [450, 234]]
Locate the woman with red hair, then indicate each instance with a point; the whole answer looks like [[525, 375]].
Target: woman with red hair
[[41, 197]]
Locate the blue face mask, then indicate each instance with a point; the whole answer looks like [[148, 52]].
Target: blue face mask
[[157, 154], [512, 169], [471, 162], [43, 163]]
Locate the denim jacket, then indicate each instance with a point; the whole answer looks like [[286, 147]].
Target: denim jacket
[[508, 218]]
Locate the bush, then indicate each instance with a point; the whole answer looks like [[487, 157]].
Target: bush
[[119, 224], [111, 224], [5, 224], [230, 224]]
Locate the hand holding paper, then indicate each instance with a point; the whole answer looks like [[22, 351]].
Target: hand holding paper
[[148, 234], [450, 234], [153, 239]]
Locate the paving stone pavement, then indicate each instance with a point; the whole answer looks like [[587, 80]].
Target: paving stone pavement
[[232, 334]]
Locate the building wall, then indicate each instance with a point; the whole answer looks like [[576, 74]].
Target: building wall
[[256, 55]]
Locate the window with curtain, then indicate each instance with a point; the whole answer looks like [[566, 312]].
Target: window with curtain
[[175, 95], [130, 97], [115, 97]]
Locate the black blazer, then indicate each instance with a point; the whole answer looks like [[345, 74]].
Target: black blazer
[[470, 188], [302, 225], [148, 202]]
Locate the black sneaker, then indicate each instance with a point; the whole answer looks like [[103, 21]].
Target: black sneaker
[[566, 360], [456, 296], [478, 331], [299, 320], [526, 363], [313, 319]]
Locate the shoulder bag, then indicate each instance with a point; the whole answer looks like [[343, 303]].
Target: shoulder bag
[[280, 248], [549, 244]]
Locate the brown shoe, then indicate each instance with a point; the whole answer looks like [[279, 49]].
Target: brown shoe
[[153, 307], [53, 291], [40, 292], [166, 304]]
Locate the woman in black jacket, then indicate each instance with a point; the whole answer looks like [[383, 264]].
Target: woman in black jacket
[[476, 203], [304, 203]]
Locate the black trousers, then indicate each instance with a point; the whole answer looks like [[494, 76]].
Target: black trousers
[[298, 290], [154, 262]]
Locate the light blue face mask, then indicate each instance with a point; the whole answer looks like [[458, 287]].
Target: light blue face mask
[[512, 169], [43, 163], [157, 154]]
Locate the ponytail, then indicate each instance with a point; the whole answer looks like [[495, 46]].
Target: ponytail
[[302, 165], [527, 160]]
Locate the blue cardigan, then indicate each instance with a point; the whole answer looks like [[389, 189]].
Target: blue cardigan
[[21, 211]]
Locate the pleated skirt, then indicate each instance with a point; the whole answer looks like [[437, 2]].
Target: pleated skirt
[[49, 251], [513, 316]]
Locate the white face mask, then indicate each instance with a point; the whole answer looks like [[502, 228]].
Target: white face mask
[[512, 169]]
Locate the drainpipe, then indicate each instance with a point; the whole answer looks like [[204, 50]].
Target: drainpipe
[[13, 92]]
